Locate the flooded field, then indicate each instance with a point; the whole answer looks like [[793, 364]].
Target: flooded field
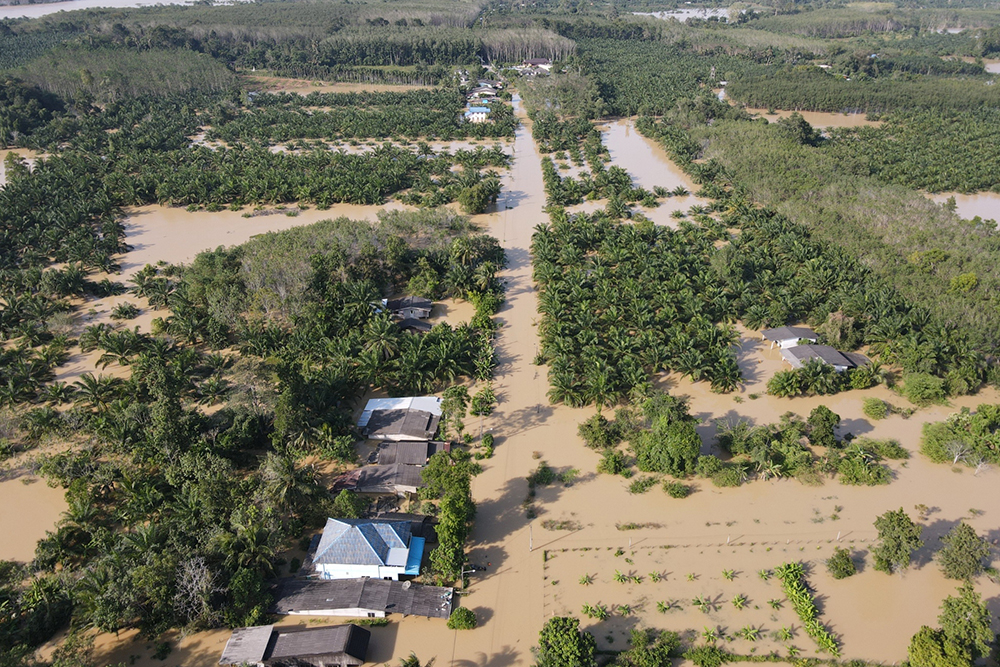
[[820, 119], [30, 507], [533, 572], [29, 156], [175, 235], [984, 204], [649, 167], [44, 9]]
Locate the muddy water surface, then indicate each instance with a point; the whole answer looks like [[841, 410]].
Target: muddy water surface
[[984, 204], [532, 572], [28, 508], [174, 235], [649, 166], [821, 119]]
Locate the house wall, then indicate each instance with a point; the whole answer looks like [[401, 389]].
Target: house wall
[[354, 612], [792, 342], [418, 313], [342, 571]]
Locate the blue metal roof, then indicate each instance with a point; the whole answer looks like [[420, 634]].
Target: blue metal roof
[[415, 556], [477, 110], [360, 542]]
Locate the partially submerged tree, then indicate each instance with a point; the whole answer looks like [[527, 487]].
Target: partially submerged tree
[[561, 643], [898, 538], [964, 636], [963, 552]]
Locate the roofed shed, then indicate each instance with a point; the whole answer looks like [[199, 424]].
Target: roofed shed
[[333, 646]]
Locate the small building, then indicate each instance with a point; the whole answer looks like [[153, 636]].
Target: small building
[[477, 114], [410, 418], [413, 325], [352, 548], [361, 598], [334, 646], [785, 337], [395, 479], [540, 63], [409, 453], [798, 355], [409, 306]]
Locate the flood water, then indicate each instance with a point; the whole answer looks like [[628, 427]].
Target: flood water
[[984, 204], [175, 235], [29, 508], [649, 166], [44, 9], [820, 119]]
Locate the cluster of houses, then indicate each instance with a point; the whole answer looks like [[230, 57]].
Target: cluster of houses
[[480, 98], [798, 346], [360, 568]]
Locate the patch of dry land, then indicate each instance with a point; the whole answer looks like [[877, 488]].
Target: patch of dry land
[[678, 548]]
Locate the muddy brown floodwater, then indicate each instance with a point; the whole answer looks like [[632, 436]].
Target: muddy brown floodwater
[[820, 119], [649, 166], [533, 573], [984, 204]]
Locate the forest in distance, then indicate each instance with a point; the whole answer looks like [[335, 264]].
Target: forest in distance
[[196, 455]]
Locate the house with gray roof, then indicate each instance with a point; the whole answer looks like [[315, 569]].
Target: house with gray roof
[[394, 479], [785, 337], [799, 355], [409, 306], [361, 598], [334, 646], [398, 419], [351, 548]]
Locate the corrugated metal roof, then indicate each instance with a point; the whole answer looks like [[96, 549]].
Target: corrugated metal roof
[[375, 595], [349, 640], [360, 541], [247, 645], [431, 404], [788, 333], [797, 356]]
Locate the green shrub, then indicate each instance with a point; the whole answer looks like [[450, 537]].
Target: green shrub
[[875, 408], [730, 475], [708, 466], [462, 619], [642, 485], [543, 475], [676, 489], [886, 449], [487, 440], [923, 388], [708, 656], [840, 565], [598, 432], [612, 463]]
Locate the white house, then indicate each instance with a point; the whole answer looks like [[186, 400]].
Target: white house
[[353, 548], [477, 114], [785, 337]]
